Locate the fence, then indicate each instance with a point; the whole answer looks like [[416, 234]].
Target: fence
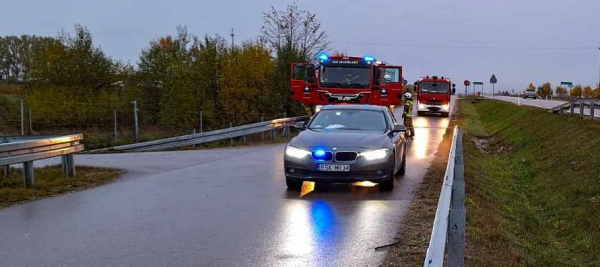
[[450, 217], [107, 124]]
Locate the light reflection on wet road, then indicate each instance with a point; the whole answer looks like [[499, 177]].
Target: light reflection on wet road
[[222, 207]]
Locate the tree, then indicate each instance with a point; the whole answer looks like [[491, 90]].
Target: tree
[[561, 91], [294, 29], [545, 90], [597, 92], [295, 36], [576, 91], [73, 61], [588, 92]]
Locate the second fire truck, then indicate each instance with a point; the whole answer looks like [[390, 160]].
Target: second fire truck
[[433, 95]]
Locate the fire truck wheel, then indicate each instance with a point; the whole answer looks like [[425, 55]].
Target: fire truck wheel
[[421, 113], [445, 114]]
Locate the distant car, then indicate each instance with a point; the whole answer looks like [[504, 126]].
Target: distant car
[[345, 144], [530, 94]]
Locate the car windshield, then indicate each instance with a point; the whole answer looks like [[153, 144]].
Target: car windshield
[[345, 77], [349, 119], [433, 87]]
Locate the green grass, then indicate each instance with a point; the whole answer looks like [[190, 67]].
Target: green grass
[[533, 193], [50, 181]]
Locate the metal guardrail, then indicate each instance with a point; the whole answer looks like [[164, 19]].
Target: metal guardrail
[[27, 149], [582, 105], [200, 138], [450, 216]]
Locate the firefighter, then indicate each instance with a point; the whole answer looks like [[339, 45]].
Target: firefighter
[[408, 114]]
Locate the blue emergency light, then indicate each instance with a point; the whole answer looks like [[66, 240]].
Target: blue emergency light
[[323, 57], [320, 155], [368, 58]]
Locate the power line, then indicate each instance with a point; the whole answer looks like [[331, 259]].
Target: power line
[[472, 47]]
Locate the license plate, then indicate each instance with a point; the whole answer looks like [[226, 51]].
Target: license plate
[[333, 168]]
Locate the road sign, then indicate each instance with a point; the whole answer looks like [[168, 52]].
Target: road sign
[[531, 86], [493, 79], [467, 83], [478, 83], [569, 84]]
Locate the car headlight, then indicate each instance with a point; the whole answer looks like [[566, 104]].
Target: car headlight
[[422, 106], [445, 107], [375, 154], [296, 152]]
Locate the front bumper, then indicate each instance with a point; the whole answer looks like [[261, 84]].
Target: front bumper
[[433, 108], [360, 170]]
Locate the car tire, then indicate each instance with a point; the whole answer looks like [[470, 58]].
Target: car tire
[[292, 185], [445, 114], [402, 169], [421, 113], [388, 185]]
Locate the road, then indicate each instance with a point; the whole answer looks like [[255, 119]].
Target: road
[[219, 207]]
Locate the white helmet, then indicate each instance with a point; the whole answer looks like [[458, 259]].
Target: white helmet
[[387, 77], [408, 95]]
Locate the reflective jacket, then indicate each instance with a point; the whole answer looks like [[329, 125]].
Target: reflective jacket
[[408, 108]]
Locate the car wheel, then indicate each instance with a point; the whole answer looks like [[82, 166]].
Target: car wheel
[[421, 113], [388, 185], [445, 114], [402, 169], [293, 185]]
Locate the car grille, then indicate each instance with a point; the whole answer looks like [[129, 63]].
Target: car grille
[[345, 156]]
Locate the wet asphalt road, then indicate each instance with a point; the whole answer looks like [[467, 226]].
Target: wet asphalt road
[[221, 207]]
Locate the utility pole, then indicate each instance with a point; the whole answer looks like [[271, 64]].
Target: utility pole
[[598, 64], [232, 38]]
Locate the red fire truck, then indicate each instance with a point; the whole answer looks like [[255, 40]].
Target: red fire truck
[[433, 95], [342, 79]]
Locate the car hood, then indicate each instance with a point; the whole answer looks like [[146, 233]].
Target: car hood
[[359, 139]]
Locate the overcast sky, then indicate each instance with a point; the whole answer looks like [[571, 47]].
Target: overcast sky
[[521, 41]]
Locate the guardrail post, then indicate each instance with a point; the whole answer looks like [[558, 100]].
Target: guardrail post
[[572, 109], [28, 177], [30, 122], [63, 164], [231, 139], [22, 118], [592, 107], [5, 169], [581, 108], [115, 120], [457, 216], [201, 121], [70, 166], [135, 115]]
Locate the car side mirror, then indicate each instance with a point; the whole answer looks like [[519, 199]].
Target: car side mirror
[[399, 128], [300, 125]]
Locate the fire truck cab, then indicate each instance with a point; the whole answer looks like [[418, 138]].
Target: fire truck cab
[[433, 95], [342, 79]]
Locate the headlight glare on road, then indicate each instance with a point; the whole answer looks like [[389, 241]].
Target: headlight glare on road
[[375, 154], [296, 152]]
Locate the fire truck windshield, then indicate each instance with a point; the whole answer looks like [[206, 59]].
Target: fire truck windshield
[[345, 77], [433, 87]]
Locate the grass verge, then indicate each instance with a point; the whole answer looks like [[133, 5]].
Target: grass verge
[[416, 229], [50, 181], [533, 186]]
